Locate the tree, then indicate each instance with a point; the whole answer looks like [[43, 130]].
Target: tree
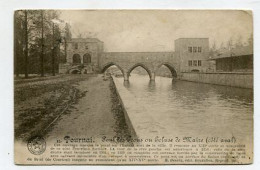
[[26, 44], [230, 43], [18, 42], [80, 35], [67, 37], [222, 46], [214, 46], [250, 40], [239, 42], [37, 41], [42, 44], [67, 31]]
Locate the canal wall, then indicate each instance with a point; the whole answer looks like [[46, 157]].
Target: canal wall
[[234, 79], [142, 124], [127, 119]]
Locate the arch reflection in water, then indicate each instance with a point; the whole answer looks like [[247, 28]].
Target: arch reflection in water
[[151, 86], [126, 84]]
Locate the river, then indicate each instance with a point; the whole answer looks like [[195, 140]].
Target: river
[[181, 108]]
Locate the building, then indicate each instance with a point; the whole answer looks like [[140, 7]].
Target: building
[[193, 54], [84, 53], [239, 59]]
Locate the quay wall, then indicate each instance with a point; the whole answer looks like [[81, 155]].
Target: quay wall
[[234, 79], [127, 118], [140, 122]]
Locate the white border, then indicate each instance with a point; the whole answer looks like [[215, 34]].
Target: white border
[[6, 66]]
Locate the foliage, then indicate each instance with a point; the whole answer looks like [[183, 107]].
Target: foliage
[[44, 38], [232, 43]]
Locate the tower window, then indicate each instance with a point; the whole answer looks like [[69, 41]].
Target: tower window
[[190, 49], [194, 49], [76, 45], [199, 62], [194, 62], [190, 63], [199, 49]]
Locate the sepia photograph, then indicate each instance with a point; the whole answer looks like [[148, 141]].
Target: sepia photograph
[[121, 87]]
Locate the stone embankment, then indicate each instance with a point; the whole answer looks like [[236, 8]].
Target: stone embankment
[[242, 80]]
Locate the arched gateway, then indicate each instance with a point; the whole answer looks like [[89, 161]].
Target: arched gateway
[[76, 59], [87, 58]]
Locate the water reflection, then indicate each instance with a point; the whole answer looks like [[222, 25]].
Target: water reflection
[[151, 86], [181, 107], [127, 84]]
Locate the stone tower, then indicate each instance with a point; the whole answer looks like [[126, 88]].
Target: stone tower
[[83, 55], [192, 54]]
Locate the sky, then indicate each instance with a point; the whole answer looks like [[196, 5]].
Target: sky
[[156, 30]]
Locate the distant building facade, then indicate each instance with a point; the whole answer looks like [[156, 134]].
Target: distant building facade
[[193, 54]]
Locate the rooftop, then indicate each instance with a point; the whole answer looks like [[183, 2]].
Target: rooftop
[[238, 51]]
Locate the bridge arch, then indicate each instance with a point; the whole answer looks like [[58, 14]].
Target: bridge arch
[[107, 65], [141, 65], [170, 67]]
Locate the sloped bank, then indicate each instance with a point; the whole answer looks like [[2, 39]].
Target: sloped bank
[[37, 104]]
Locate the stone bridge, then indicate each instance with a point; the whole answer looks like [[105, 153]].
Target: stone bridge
[[150, 61], [87, 55]]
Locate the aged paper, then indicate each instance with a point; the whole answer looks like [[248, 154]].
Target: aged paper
[[133, 87]]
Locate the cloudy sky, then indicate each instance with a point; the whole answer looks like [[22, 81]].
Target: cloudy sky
[[157, 30]]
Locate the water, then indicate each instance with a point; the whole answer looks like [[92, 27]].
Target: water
[[182, 108]]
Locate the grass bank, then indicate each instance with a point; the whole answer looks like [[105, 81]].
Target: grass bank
[[38, 104]]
